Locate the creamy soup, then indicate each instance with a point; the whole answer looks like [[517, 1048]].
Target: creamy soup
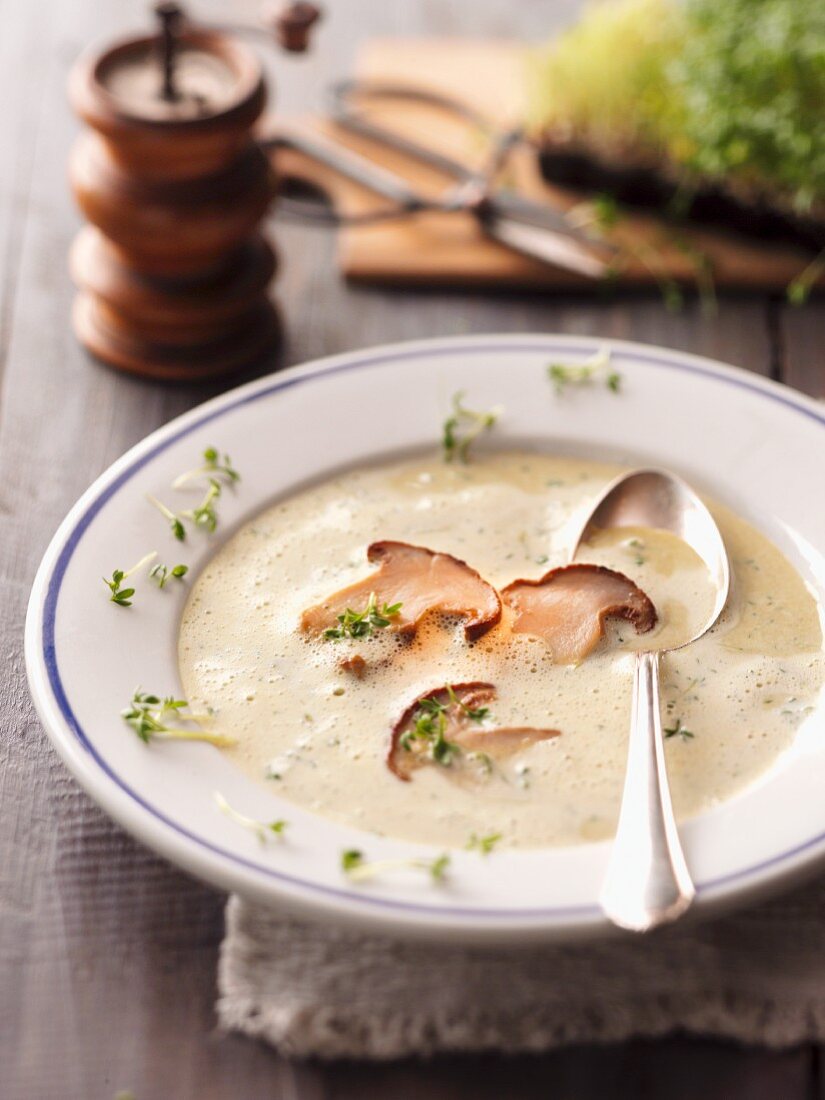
[[319, 735]]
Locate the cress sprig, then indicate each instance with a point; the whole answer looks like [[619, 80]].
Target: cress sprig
[[358, 869], [596, 368], [160, 574], [475, 714], [264, 830], [175, 521], [484, 845], [678, 730], [149, 716], [463, 426], [214, 465], [123, 596], [361, 624], [205, 515]]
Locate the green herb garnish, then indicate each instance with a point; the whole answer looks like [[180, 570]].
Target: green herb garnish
[[214, 465], [205, 515], [160, 574], [475, 714], [262, 829], [354, 865], [175, 521], [483, 844], [711, 93], [799, 289], [606, 212], [596, 368], [148, 715], [429, 725], [745, 96], [438, 867], [678, 730], [123, 596], [463, 427], [351, 858], [361, 624]]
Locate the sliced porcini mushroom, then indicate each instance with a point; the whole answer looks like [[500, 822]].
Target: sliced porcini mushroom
[[421, 581], [446, 726], [568, 608]]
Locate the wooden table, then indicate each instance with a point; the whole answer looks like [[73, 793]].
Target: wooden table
[[107, 954]]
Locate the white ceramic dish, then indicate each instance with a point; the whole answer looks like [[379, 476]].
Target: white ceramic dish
[[752, 444]]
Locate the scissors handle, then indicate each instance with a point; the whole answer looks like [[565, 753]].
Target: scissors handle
[[475, 183], [354, 167], [347, 115]]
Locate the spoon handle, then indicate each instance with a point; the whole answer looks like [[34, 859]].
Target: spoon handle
[[647, 881]]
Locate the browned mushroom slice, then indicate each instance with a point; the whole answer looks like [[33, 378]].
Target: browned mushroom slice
[[420, 580], [567, 608], [441, 726]]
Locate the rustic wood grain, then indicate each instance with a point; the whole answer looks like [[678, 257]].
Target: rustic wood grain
[[679, 1069], [107, 955]]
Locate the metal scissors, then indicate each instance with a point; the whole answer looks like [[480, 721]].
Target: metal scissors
[[529, 227]]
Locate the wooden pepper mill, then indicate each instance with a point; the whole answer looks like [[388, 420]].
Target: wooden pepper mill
[[173, 271]]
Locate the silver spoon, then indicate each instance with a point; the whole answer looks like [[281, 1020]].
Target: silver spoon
[[647, 881]]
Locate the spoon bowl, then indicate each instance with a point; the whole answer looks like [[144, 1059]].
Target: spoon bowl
[[656, 498], [647, 881]]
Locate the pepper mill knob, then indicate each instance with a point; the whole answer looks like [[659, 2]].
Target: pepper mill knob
[[170, 17], [292, 24]]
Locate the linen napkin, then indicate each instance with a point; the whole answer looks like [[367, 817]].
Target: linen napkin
[[315, 990]]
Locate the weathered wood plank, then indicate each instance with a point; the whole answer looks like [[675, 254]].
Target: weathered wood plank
[[22, 64], [678, 1069], [739, 334]]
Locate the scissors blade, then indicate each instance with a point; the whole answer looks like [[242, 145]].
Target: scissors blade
[[542, 243], [541, 213]]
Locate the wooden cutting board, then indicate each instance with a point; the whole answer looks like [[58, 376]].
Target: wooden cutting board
[[450, 248]]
